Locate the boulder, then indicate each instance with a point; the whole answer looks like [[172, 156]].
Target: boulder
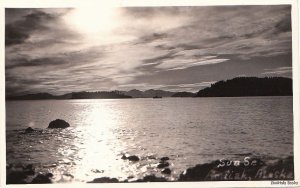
[[197, 173], [131, 158], [163, 164], [164, 158], [58, 123], [166, 171], [41, 179], [29, 130], [105, 180], [152, 178]]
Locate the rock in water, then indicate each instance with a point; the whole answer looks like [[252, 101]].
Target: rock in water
[[105, 180], [166, 171], [164, 158], [133, 158], [41, 179], [58, 123], [152, 178], [29, 130], [163, 164]]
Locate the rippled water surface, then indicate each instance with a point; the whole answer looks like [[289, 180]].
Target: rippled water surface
[[187, 130]]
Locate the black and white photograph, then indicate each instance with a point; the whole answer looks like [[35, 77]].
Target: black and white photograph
[[101, 93]]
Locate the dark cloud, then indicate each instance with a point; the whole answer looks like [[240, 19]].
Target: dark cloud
[[17, 32], [151, 38], [284, 25], [169, 55], [23, 62]]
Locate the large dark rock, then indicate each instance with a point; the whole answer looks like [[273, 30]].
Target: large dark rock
[[17, 174], [197, 173], [29, 130], [105, 180], [152, 178], [16, 177], [58, 123], [41, 179], [133, 158]]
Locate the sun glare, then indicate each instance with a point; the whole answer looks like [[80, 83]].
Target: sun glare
[[92, 19]]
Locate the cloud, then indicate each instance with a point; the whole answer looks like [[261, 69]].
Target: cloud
[[18, 31], [157, 46], [189, 61], [278, 71]]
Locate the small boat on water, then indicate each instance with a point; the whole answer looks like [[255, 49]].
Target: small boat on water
[[157, 97]]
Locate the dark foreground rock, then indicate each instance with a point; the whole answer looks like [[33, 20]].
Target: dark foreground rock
[[221, 170], [42, 179], [58, 123], [105, 180], [248, 169], [152, 178], [25, 174], [166, 171]]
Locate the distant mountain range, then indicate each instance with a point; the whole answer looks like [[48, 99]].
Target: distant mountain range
[[148, 93], [240, 86], [73, 95]]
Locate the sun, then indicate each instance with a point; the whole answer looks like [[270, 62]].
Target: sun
[[92, 19]]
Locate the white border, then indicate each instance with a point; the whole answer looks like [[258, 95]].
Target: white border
[[130, 3]]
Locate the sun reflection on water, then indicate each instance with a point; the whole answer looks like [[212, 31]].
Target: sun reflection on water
[[100, 149]]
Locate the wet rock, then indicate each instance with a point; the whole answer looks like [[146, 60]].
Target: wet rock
[[29, 170], [164, 158], [152, 178], [16, 177], [29, 130], [41, 179], [105, 180], [17, 174], [58, 123], [166, 171], [131, 158], [163, 164], [197, 173], [49, 175]]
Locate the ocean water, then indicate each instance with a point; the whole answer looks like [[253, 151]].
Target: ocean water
[[189, 131]]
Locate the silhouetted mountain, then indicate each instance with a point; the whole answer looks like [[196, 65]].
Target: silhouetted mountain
[[73, 95], [98, 95], [37, 96], [148, 93], [249, 86], [134, 93], [160, 93], [183, 94]]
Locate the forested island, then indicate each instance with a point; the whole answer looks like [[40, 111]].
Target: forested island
[[249, 86], [236, 87]]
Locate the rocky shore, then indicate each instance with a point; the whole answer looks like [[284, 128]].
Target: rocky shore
[[248, 169]]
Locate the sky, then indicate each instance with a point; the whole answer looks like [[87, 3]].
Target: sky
[[103, 48]]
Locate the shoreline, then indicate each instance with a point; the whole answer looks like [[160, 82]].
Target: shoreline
[[249, 169]]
